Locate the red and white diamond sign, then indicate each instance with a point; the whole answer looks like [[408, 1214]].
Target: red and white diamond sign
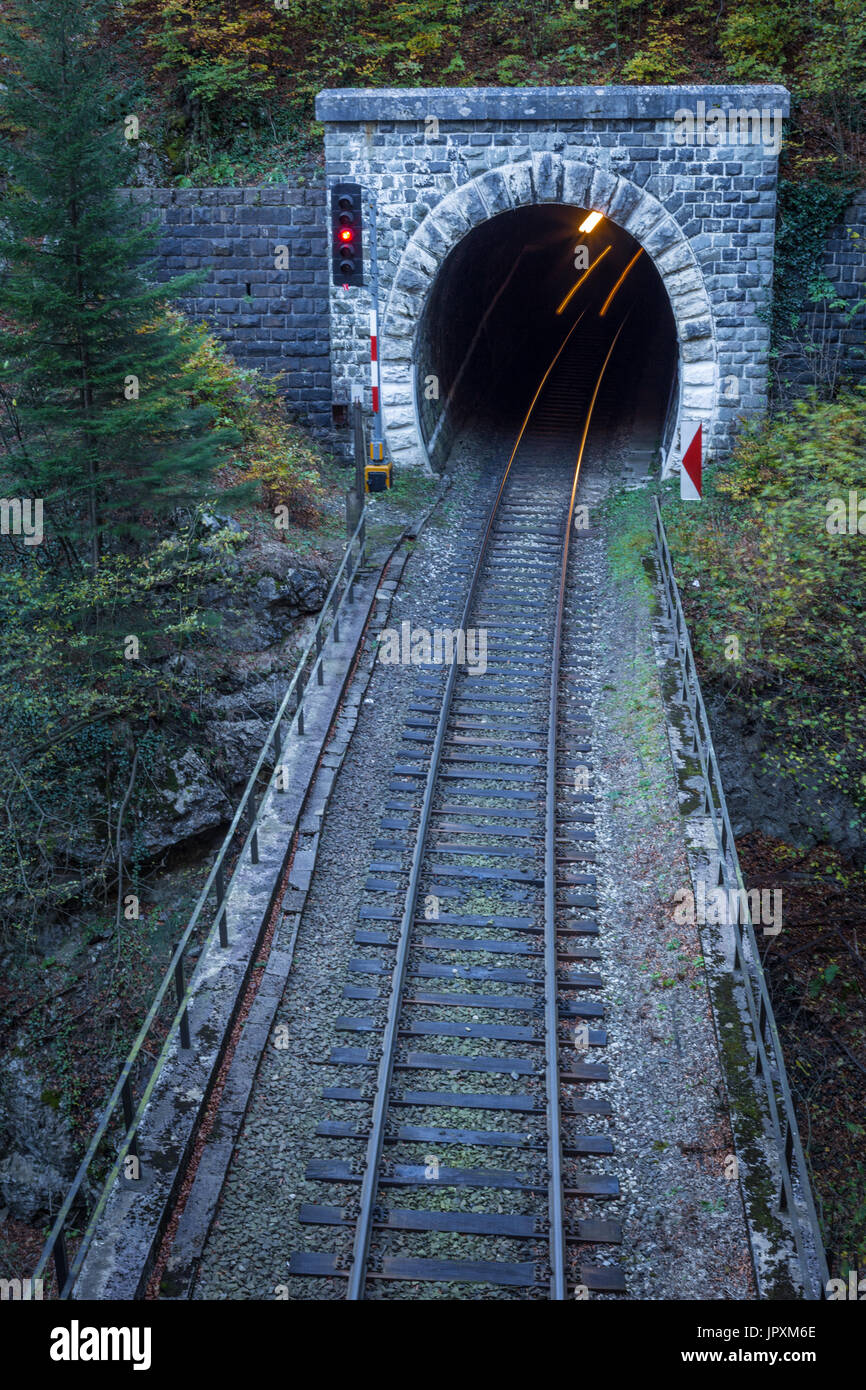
[[690, 467]]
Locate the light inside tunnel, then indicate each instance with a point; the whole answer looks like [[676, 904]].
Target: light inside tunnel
[[498, 312], [590, 223]]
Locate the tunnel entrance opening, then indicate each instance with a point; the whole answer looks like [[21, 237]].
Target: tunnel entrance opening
[[503, 303]]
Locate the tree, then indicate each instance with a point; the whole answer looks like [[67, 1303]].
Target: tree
[[95, 392]]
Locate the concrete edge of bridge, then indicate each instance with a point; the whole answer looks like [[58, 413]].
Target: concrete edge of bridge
[[257, 1028], [777, 1269], [127, 1242]]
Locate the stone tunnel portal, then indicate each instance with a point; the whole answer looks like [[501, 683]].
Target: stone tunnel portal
[[476, 187]]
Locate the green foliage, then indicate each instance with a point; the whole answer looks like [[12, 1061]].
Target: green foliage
[[770, 573], [756, 36], [630, 539], [95, 414], [280, 459], [235, 67], [807, 211], [511, 71], [238, 78], [659, 60], [835, 60], [218, 54], [76, 705], [285, 465]]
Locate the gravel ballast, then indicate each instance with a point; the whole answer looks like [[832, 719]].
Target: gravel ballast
[[684, 1235]]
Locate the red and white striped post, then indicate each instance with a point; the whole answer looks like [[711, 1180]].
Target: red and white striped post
[[377, 440], [374, 378]]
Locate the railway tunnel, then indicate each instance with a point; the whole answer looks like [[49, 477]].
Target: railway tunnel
[[476, 194], [527, 287]]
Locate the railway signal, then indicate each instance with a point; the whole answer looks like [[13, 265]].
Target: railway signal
[[347, 249], [347, 234]]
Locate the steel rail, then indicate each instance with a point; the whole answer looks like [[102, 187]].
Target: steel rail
[[375, 1142], [55, 1245], [785, 1130], [558, 1281]]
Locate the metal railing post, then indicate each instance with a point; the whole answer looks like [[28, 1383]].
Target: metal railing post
[[61, 1260], [279, 766], [251, 826], [129, 1119], [179, 988], [223, 925]]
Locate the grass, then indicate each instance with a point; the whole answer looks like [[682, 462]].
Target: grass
[[627, 519]]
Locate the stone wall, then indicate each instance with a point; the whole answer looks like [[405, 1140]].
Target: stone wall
[[845, 268], [441, 161], [269, 307]]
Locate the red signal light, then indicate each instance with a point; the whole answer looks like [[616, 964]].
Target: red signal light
[[347, 235]]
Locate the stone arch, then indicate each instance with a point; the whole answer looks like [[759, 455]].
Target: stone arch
[[544, 178]]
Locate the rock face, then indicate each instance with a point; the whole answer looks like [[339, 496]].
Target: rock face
[[188, 794], [261, 600], [38, 1153], [261, 618], [266, 613], [237, 744], [259, 700], [150, 168], [285, 599], [186, 802], [302, 591]]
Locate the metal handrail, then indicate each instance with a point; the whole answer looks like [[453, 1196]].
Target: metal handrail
[[122, 1094], [769, 1058]]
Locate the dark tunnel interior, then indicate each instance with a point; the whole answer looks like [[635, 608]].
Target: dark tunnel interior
[[502, 305]]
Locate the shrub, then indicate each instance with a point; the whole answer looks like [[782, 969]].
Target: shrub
[[278, 455], [793, 593]]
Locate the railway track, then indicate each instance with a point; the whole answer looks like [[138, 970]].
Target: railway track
[[477, 1155]]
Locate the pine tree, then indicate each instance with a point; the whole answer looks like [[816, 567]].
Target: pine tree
[[95, 412]]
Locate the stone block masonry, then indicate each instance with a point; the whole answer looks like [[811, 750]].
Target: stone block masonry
[[269, 307], [441, 161], [845, 268]]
